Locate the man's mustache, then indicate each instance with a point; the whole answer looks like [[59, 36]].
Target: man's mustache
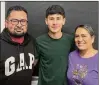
[[18, 28]]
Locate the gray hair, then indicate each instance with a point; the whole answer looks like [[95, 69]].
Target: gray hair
[[88, 28]]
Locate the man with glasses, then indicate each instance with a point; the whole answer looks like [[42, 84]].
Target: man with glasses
[[17, 49]]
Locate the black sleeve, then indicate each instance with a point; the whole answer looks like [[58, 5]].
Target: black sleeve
[[1, 66], [36, 61]]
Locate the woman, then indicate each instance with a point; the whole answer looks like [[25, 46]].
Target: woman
[[83, 62]]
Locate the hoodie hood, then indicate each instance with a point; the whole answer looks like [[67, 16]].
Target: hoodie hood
[[6, 37]]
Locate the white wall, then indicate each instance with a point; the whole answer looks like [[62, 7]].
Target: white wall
[[2, 15]]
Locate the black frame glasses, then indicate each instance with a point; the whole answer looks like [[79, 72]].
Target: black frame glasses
[[23, 22]]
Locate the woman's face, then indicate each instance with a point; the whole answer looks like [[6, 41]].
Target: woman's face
[[83, 39]]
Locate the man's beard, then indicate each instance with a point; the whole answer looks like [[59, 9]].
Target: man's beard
[[16, 35]]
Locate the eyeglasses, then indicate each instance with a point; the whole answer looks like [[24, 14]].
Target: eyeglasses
[[16, 21]]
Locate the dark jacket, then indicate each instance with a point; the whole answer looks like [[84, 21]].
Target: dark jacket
[[16, 60]]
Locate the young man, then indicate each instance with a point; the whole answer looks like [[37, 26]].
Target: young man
[[53, 49], [17, 49]]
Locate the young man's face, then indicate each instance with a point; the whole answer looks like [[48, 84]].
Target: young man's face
[[55, 22], [13, 25]]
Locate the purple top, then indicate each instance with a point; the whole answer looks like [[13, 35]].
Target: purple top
[[82, 71]]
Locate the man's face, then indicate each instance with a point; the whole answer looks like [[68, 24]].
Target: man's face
[[55, 22], [16, 28]]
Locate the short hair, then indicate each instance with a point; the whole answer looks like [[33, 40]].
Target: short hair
[[55, 9], [87, 27], [16, 8]]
